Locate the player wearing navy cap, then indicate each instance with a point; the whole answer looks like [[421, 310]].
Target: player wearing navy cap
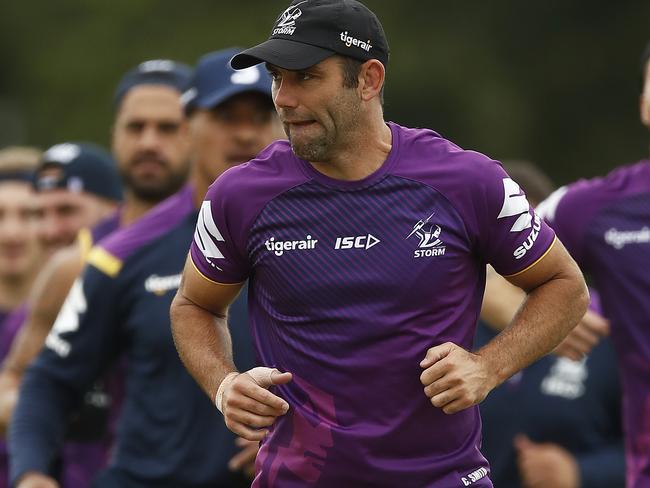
[[365, 244], [78, 186], [20, 253], [150, 143], [120, 305]]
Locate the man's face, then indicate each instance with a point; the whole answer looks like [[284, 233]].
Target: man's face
[[151, 142], [645, 98], [232, 132], [64, 213], [318, 113], [19, 247]]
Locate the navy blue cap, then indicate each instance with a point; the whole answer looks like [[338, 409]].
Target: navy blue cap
[[214, 81], [154, 72], [84, 167], [309, 31]]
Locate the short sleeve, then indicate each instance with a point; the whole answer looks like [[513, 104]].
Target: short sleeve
[[218, 248], [511, 236], [84, 338]]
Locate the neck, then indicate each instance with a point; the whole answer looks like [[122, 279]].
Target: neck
[[14, 290], [133, 208], [200, 183], [361, 156]]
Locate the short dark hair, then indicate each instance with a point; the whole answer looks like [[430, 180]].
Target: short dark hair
[[351, 70]]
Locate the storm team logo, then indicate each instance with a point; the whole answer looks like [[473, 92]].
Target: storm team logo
[[286, 23], [429, 235]]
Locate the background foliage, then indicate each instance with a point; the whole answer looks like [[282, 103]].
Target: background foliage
[[556, 82]]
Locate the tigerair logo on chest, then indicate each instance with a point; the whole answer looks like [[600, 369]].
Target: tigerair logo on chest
[[280, 247]]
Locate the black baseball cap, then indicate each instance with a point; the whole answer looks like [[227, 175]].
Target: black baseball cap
[[309, 31], [214, 81], [83, 167], [154, 72]]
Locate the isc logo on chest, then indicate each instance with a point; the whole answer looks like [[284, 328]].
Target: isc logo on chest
[[356, 242]]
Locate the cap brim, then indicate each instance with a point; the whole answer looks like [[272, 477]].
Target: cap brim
[[282, 53]]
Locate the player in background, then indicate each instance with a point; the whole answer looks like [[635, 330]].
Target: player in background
[[150, 144], [21, 255], [168, 434], [555, 424], [605, 224], [370, 327], [20, 252], [61, 208]]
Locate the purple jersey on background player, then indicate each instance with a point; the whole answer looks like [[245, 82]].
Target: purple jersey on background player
[[350, 283], [9, 326], [605, 225]]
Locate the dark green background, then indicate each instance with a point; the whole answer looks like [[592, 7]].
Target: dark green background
[[556, 82]]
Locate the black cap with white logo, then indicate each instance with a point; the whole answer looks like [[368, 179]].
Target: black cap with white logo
[[310, 31]]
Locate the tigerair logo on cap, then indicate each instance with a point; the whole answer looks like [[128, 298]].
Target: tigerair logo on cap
[[286, 23], [350, 41]]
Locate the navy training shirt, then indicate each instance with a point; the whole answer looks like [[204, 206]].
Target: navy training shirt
[[170, 433]]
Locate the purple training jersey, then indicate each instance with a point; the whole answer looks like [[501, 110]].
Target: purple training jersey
[[605, 224], [9, 326], [350, 283]]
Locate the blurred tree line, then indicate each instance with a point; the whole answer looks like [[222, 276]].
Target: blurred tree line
[[556, 82]]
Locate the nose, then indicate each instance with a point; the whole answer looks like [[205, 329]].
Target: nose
[[12, 229], [284, 94], [246, 132], [149, 139], [50, 230]]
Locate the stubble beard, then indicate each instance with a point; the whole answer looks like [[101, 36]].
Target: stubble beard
[[317, 149]]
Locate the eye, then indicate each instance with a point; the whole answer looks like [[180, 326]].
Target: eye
[[135, 127], [304, 76], [275, 76], [168, 127]]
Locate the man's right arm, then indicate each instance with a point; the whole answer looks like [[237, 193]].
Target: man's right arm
[[200, 331]]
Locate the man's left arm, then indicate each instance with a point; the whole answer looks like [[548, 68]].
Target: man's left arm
[[557, 298]]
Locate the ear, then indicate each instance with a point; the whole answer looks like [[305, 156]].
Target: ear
[[643, 111], [111, 132], [371, 79]]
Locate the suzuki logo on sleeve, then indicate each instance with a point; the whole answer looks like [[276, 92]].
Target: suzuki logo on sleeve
[[206, 235], [356, 242], [515, 203]]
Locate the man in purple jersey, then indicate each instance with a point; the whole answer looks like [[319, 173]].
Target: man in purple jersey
[[365, 244], [605, 224]]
